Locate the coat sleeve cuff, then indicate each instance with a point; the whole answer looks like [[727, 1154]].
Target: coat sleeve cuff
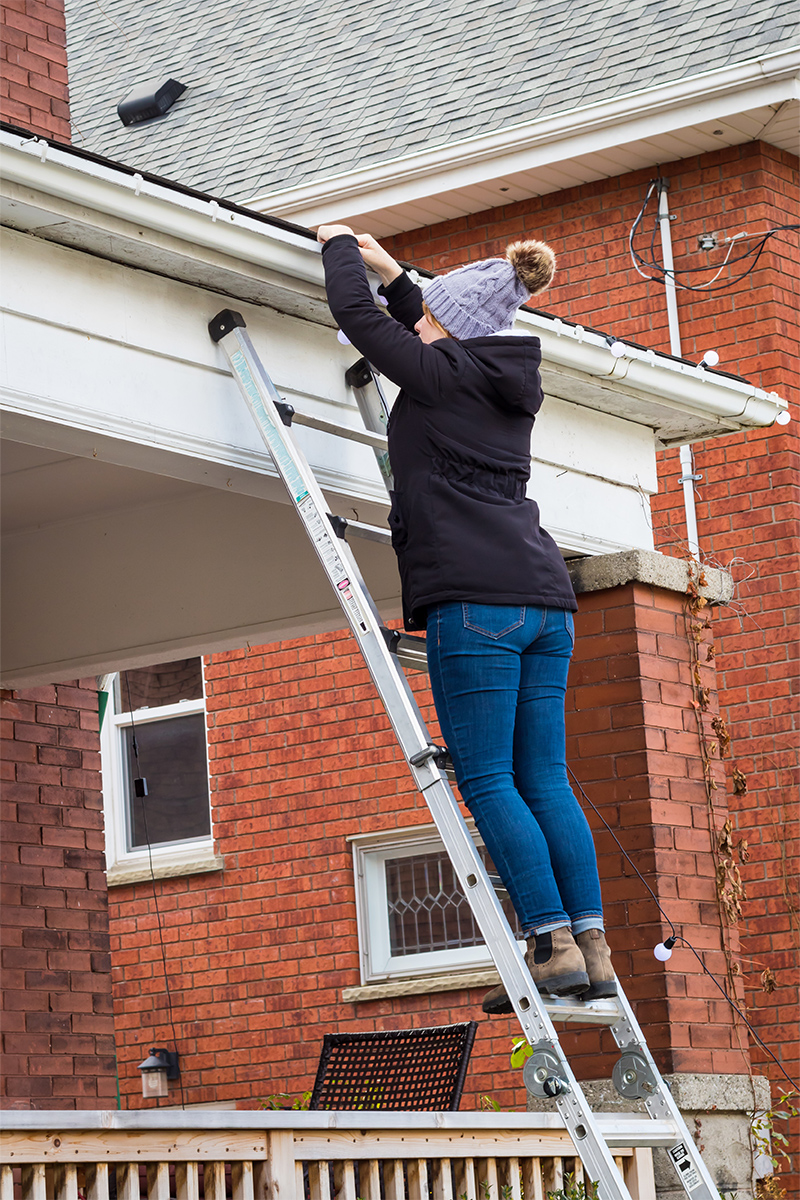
[[339, 237], [399, 287]]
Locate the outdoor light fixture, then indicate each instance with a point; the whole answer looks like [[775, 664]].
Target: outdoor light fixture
[[159, 1067], [149, 100], [616, 347]]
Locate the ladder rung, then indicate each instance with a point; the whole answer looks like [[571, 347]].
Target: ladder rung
[[378, 441], [371, 533], [571, 1011], [630, 1129], [410, 651]]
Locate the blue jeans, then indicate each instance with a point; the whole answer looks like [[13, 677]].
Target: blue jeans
[[499, 678]]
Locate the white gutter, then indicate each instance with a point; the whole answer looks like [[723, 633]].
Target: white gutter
[[88, 185], [707, 96], [32, 163], [682, 386]]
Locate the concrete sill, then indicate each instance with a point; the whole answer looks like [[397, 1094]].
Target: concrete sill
[[487, 977]]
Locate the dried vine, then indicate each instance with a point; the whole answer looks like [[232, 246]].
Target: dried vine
[[730, 887]]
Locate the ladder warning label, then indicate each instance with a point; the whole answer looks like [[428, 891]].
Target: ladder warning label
[[324, 544], [683, 1165]]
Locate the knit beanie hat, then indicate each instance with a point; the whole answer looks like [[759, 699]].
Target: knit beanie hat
[[482, 298]]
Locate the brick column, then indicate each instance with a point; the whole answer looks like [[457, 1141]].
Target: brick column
[[634, 719], [57, 1022]]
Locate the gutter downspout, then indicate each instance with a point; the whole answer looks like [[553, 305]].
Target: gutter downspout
[[688, 474]]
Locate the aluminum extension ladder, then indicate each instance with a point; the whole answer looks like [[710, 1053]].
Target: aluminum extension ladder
[[547, 1072]]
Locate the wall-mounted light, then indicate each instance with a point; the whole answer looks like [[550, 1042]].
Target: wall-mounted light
[[157, 1069], [149, 100]]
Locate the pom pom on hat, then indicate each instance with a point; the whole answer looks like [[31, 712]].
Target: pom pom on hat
[[482, 298], [534, 263]]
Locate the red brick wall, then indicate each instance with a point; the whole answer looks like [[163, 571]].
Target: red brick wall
[[302, 757], [34, 89], [57, 1022]]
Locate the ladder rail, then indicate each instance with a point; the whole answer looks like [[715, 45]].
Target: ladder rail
[[548, 1064]]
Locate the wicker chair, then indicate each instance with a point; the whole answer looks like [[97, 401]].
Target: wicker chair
[[416, 1070]]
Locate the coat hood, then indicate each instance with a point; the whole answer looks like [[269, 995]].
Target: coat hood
[[509, 364]]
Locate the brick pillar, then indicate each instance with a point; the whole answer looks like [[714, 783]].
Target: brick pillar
[[634, 717], [34, 89], [57, 1021]]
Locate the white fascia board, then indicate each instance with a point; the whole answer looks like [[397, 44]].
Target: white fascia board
[[556, 138], [101, 188], [32, 163]]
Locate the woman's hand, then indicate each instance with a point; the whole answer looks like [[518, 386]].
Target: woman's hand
[[326, 232], [372, 252], [378, 259]]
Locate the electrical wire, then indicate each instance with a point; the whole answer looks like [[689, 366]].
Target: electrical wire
[[139, 775], [676, 937], [663, 272]]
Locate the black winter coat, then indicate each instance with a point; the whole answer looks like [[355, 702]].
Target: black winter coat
[[459, 446]]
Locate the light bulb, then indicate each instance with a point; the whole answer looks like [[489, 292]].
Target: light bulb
[[663, 950], [616, 347], [709, 359], [783, 417], [343, 338]]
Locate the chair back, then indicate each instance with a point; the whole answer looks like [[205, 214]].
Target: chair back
[[416, 1070]]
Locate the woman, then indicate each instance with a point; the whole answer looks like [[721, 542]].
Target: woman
[[481, 575]]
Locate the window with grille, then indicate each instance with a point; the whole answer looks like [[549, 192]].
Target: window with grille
[[413, 916]]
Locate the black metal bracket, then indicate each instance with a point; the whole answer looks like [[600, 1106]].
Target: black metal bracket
[[359, 375], [339, 525], [436, 754], [224, 322]]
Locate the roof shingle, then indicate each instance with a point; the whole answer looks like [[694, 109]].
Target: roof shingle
[[281, 93]]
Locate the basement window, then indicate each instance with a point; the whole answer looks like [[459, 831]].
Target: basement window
[[155, 773], [413, 918]]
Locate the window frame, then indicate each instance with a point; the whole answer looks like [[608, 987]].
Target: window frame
[[184, 856], [376, 963]]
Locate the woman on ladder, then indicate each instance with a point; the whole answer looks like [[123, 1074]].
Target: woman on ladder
[[481, 575]]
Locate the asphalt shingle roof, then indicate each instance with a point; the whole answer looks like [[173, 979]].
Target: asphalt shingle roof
[[284, 92]]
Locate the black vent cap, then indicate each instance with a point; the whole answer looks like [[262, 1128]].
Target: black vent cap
[[149, 100]]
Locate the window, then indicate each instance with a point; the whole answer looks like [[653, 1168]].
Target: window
[[413, 918], [155, 773]]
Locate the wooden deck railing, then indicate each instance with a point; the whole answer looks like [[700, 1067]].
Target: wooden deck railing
[[161, 1154]]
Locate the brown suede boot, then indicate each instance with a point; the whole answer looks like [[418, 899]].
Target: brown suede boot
[[556, 966], [597, 956], [556, 963]]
